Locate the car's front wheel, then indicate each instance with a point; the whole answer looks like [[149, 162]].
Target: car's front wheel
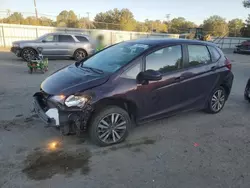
[[80, 54], [28, 54], [216, 101], [109, 126]]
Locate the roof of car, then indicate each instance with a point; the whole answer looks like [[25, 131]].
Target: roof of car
[[66, 33], [165, 41]]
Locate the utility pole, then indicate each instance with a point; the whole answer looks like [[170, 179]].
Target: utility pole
[[168, 21], [88, 19], [35, 9]]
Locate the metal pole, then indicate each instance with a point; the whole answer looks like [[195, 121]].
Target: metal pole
[[168, 21], [35, 9], [4, 43], [88, 19]]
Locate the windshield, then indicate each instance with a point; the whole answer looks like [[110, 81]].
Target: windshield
[[115, 57], [41, 37]]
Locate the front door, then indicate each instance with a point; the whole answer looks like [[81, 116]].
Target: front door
[[49, 44], [166, 95]]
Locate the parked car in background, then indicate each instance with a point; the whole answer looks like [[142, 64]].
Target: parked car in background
[[134, 81], [78, 46], [244, 47]]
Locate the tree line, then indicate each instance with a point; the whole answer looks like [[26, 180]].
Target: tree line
[[124, 20]]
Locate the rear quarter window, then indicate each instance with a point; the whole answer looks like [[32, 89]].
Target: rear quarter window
[[82, 39], [215, 55]]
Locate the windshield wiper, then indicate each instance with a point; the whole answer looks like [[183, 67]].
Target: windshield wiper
[[93, 69]]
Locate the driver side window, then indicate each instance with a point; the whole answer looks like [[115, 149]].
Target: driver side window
[[50, 38]]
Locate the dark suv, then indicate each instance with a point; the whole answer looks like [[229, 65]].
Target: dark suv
[[134, 82]]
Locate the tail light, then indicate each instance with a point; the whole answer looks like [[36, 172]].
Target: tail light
[[228, 63]]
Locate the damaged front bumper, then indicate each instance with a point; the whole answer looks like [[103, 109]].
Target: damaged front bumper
[[46, 116], [53, 114], [16, 50]]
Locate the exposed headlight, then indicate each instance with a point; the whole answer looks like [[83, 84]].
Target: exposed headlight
[[78, 101], [15, 45], [58, 98]]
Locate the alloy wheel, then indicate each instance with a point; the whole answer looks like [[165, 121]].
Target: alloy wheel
[[112, 128], [218, 100], [28, 54], [80, 55]]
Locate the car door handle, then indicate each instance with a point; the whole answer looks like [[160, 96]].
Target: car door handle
[[213, 68], [179, 78]]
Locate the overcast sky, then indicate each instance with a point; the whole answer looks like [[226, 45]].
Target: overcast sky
[[193, 10]]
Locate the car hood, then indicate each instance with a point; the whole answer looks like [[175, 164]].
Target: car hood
[[71, 80], [23, 41]]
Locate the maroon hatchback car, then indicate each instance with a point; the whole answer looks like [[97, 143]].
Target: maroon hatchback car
[[134, 81]]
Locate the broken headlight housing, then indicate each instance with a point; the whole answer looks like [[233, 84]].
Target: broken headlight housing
[[76, 101], [58, 98]]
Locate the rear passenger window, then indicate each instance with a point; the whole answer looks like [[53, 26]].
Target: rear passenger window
[[66, 38], [198, 55], [82, 38], [215, 55]]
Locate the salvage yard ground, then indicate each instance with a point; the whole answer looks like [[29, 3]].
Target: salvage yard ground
[[194, 149]]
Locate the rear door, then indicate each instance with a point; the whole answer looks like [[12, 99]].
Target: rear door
[[66, 44], [200, 75]]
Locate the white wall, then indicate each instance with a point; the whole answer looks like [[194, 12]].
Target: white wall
[[13, 32]]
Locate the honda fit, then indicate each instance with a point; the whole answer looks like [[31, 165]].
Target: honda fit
[[134, 82]]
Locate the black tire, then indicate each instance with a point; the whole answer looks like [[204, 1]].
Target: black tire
[[247, 88], [95, 132], [30, 70], [28, 54], [80, 54], [65, 129], [43, 70], [210, 108]]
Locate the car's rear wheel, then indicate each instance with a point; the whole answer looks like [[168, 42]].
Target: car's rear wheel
[[28, 54], [109, 126], [247, 92], [216, 101], [80, 54]]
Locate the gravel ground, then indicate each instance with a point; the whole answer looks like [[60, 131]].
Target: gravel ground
[[188, 150]]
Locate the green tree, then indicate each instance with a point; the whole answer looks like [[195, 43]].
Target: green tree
[[32, 20], [235, 26], [216, 26], [67, 19], [85, 23], [116, 19], [245, 31], [141, 27], [180, 25], [156, 26], [246, 3], [108, 20], [127, 21], [15, 18], [46, 21]]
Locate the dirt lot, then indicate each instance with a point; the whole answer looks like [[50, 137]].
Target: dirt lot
[[189, 150]]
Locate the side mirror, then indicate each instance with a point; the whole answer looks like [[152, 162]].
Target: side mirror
[[149, 75], [43, 40]]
